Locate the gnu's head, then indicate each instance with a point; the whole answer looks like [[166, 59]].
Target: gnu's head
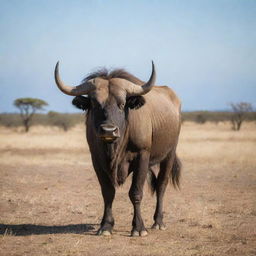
[[109, 96]]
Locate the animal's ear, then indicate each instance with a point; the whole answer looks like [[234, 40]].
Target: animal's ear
[[135, 102], [81, 102]]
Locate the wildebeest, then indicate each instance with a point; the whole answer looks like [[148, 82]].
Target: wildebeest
[[131, 127]]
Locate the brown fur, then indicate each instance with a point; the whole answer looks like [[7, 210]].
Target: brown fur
[[148, 127]]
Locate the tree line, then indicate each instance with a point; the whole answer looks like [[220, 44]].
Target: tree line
[[239, 113], [29, 106]]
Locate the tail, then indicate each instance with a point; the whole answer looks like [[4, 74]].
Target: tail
[[175, 173]]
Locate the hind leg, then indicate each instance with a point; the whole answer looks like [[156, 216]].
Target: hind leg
[[161, 184]]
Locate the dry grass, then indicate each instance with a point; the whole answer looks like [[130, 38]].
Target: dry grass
[[51, 202]]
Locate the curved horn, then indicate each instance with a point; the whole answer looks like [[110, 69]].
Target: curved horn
[[78, 90], [136, 90]]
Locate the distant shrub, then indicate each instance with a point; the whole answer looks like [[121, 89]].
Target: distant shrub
[[63, 121], [200, 119], [240, 114]]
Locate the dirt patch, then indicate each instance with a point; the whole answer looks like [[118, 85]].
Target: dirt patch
[[51, 202]]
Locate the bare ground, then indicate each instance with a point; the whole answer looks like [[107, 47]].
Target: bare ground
[[51, 202]]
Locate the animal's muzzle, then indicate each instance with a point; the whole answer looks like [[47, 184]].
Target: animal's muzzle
[[109, 132]]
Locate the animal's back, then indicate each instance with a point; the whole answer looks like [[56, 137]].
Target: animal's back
[[156, 125]]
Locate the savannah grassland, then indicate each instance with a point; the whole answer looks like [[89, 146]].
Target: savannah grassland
[[51, 202]]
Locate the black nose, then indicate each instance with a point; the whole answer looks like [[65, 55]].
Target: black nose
[[108, 128], [109, 132]]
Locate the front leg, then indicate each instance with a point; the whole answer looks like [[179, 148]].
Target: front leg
[[108, 193], [136, 193]]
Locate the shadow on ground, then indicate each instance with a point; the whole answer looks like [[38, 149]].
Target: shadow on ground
[[30, 229]]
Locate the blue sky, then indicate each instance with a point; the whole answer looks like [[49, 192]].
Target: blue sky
[[205, 50]]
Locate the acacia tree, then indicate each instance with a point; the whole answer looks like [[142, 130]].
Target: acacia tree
[[28, 107], [239, 114]]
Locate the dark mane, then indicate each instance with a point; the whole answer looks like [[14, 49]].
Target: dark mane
[[116, 73]]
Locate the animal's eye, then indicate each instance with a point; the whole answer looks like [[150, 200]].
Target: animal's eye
[[121, 106]]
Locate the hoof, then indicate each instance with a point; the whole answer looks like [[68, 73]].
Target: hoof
[[143, 233], [157, 226], [135, 233], [106, 233], [163, 227], [103, 233]]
